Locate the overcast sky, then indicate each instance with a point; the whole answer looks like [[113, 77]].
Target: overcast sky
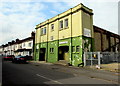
[[18, 18]]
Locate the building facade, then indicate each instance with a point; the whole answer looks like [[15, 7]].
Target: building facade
[[65, 36], [19, 47]]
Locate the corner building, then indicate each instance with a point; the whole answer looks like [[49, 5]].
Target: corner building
[[65, 37]]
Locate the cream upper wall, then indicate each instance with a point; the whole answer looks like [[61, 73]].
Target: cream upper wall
[[44, 38], [65, 32], [76, 24], [37, 36], [54, 32], [77, 21]]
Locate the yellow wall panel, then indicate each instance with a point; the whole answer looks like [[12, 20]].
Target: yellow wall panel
[[37, 36], [76, 24], [54, 32], [44, 38], [65, 32]]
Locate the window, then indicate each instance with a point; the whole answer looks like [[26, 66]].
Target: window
[[66, 22], [24, 45], [51, 38], [43, 31], [73, 48], [52, 27], [51, 50], [29, 44], [61, 24], [77, 48]]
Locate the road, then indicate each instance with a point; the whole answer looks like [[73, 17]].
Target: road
[[45, 74]]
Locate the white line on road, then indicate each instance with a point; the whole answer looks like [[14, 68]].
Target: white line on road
[[49, 79]]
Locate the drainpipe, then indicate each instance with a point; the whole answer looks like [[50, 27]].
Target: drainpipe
[[71, 36]]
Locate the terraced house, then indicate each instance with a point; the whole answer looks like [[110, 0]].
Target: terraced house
[[65, 36]]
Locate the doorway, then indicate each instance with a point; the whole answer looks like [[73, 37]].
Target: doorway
[[63, 53], [42, 54]]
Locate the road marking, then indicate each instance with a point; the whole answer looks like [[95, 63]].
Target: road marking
[[49, 79]]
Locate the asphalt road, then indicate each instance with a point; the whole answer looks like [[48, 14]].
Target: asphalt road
[[34, 74]]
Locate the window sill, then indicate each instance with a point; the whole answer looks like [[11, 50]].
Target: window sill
[[66, 27], [73, 52], [51, 53], [43, 34], [77, 52]]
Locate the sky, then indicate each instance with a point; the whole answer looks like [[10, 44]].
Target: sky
[[18, 18]]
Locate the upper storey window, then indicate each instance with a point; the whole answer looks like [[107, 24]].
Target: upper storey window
[[52, 27], [66, 23], [43, 31], [61, 24]]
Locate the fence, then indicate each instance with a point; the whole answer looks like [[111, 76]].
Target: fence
[[97, 58]]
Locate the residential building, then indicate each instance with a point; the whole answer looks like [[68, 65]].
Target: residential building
[[1, 50], [20, 47]]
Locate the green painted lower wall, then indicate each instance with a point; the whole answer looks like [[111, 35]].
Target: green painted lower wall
[[77, 46], [44, 46], [53, 56], [67, 42], [36, 52], [77, 53]]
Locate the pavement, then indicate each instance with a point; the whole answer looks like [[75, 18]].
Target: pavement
[[112, 67]]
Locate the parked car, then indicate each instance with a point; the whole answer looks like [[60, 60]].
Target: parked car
[[29, 57], [19, 59], [8, 58]]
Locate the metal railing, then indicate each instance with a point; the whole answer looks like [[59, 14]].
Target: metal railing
[[97, 58]]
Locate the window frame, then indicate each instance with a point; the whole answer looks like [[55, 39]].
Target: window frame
[[29, 44], [51, 50], [52, 27], [73, 49], [66, 23], [61, 24], [51, 37], [78, 49]]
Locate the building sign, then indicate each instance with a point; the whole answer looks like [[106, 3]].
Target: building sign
[[87, 32], [64, 42]]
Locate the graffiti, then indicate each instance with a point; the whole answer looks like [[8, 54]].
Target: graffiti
[[86, 45]]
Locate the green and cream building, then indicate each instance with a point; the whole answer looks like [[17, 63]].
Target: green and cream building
[[66, 36]]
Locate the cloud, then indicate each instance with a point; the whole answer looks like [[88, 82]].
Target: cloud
[[18, 20]]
